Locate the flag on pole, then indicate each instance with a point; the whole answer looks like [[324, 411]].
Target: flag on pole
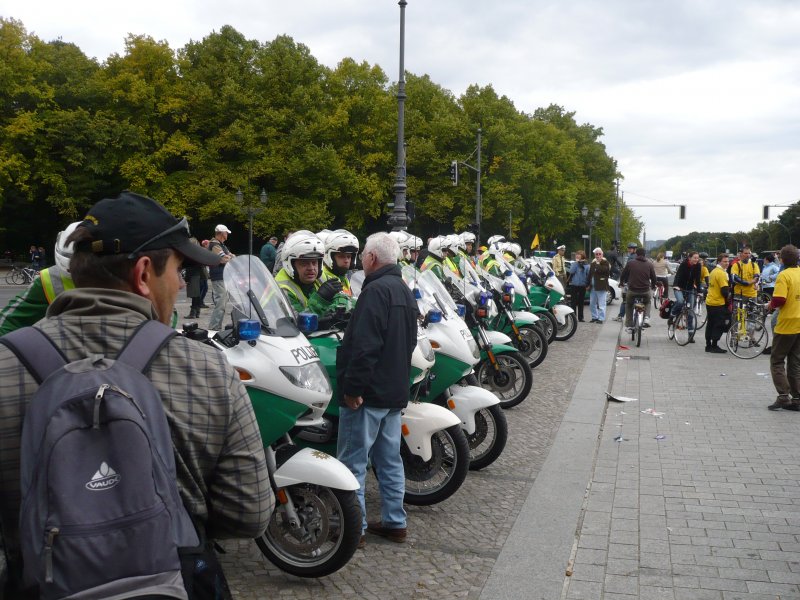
[[535, 242]]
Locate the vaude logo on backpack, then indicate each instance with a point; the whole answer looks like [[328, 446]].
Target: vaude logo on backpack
[[101, 516]]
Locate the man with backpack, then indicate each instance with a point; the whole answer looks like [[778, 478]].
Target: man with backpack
[[125, 485]]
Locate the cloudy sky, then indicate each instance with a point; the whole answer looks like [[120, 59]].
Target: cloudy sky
[[699, 99]]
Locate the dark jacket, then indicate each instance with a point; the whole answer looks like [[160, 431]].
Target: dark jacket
[[639, 274], [687, 277], [598, 275], [268, 254], [374, 360], [217, 247]]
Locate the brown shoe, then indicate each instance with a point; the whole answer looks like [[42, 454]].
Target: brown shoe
[[395, 534], [784, 403], [362, 542]]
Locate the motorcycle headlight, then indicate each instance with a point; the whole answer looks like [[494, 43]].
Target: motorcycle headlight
[[424, 345], [310, 376], [473, 347]]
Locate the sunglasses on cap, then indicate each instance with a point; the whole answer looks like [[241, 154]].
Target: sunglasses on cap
[[182, 224]]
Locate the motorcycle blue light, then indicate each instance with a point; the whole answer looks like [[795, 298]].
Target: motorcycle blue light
[[434, 316], [461, 309], [508, 287], [249, 329], [484, 298], [551, 274], [508, 273], [307, 322], [417, 294]]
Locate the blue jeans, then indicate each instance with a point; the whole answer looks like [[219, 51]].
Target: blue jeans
[[681, 297], [373, 434], [597, 304]]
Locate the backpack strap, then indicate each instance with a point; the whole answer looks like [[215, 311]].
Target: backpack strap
[[144, 345], [36, 351]]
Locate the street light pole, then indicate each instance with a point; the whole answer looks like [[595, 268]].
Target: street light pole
[[590, 221], [398, 220], [251, 212]]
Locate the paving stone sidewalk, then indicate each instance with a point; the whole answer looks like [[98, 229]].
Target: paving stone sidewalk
[[700, 502]]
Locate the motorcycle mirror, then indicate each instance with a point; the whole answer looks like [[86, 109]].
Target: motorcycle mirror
[[307, 322], [248, 329]]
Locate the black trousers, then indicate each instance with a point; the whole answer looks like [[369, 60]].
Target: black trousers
[[577, 294], [715, 327]]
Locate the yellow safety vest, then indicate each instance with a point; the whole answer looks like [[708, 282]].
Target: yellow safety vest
[[55, 281]]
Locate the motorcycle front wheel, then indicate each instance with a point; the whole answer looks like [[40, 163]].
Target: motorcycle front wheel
[[533, 345], [568, 329], [325, 538], [510, 382], [489, 439], [429, 482], [548, 324]]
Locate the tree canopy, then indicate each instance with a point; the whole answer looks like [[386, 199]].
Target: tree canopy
[[192, 126]]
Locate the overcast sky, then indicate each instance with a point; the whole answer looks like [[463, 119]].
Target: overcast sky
[[699, 99]]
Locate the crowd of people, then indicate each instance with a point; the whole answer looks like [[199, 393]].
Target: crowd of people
[[111, 276]]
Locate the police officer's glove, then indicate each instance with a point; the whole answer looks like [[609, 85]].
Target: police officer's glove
[[329, 289]]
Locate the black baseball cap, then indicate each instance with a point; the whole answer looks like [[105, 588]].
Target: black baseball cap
[[131, 223]]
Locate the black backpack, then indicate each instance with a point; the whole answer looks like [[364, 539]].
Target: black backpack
[[101, 514], [666, 307]]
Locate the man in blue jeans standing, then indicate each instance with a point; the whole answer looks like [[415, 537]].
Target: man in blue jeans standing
[[373, 367]]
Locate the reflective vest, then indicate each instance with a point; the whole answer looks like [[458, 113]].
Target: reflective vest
[[55, 281], [433, 264], [328, 274], [292, 290], [451, 264]]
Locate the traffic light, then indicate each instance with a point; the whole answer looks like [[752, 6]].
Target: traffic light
[[683, 211], [454, 172], [766, 213]]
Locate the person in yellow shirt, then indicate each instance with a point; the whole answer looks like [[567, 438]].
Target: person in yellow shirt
[[784, 361], [745, 273], [716, 304]]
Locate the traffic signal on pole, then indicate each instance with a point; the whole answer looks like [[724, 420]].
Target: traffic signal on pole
[[683, 211], [454, 172], [766, 212]]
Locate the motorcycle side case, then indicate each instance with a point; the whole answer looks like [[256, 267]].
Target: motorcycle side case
[[317, 468], [420, 421], [466, 400], [561, 311]]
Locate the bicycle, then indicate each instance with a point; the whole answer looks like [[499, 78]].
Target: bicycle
[[683, 326], [638, 319], [659, 295], [748, 335], [21, 275], [699, 308]]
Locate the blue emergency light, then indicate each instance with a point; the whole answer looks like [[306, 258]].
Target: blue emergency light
[[484, 298], [417, 294], [461, 310], [307, 322], [434, 316], [248, 329]]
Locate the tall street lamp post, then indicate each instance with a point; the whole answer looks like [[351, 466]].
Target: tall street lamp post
[[590, 221], [398, 220], [251, 212]]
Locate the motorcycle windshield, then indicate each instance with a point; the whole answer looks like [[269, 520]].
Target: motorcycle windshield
[[433, 290], [254, 294], [511, 277]]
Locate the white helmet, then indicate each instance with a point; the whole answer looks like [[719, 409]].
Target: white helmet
[[451, 242], [512, 248], [412, 243], [435, 246], [323, 235], [301, 244], [340, 240], [494, 240], [401, 237], [64, 251], [467, 237]]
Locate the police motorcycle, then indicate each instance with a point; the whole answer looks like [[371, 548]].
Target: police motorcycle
[[502, 370], [316, 525], [435, 451], [544, 289], [479, 411], [522, 326]]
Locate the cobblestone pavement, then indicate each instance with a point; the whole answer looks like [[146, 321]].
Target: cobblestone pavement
[[453, 545], [711, 510]]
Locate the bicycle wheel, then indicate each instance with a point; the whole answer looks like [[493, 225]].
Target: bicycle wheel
[[658, 297], [747, 339], [639, 327], [17, 276], [682, 331], [671, 330], [700, 313]]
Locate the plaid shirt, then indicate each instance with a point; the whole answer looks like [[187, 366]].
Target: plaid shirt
[[222, 473]]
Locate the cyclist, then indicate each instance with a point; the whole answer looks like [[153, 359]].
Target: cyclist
[[745, 274], [641, 279], [662, 269], [786, 344], [704, 272], [624, 260], [31, 305], [716, 304], [685, 285]]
